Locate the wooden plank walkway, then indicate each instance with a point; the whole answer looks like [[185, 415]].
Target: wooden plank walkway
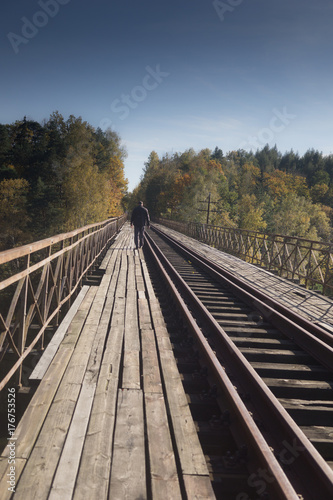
[[307, 303], [109, 419]]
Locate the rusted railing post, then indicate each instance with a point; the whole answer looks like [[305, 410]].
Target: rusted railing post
[[47, 282], [289, 256]]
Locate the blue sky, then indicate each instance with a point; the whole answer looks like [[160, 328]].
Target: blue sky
[[168, 76]]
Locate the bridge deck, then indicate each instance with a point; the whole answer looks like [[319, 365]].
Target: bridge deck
[[109, 418]]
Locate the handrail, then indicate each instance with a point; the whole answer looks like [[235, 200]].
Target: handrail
[[306, 261], [14, 253], [37, 280]]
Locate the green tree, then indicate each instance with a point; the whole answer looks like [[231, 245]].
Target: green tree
[[250, 214], [13, 212]]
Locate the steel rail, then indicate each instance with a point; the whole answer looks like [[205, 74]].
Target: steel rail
[[314, 474], [310, 336], [281, 486]]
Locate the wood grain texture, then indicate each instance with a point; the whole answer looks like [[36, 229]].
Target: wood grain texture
[[163, 470], [128, 471]]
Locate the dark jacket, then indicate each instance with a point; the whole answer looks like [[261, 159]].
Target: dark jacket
[[140, 216]]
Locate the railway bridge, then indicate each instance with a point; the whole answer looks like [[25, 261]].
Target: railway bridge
[[176, 371]]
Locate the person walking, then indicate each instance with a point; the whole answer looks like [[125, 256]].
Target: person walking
[[139, 218]]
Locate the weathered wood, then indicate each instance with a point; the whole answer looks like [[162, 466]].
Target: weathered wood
[[131, 370], [199, 488], [131, 274], [64, 481], [96, 440], [29, 426], [148, 284], [163, 470], [5, 487], [131, 378], [122, 279], [49, 353], [150, 365], [37, 477], [144, 314], [94, 473], [128, 471], [190, 453]]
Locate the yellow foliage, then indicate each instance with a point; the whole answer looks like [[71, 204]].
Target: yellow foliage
[[279, 184]]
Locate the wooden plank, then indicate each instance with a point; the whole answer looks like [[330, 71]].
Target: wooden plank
[[122, 278], [107, 257], [163, 471], [131, 273], [144, 314], [30, 424], [131, 370], [38, 474], [199, 488], [64, 481], [50, 351], [36, 479], [140, 285], [190, 453], [8, 483], [191, 456], [148, 284], [128, 472], [132, 339], [150, 365], [131, 378], [94, 473]]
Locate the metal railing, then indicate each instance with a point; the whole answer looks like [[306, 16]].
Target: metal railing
[[39, 279], [309, 262]]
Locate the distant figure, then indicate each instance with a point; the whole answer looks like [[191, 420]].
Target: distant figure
[[140, 217]]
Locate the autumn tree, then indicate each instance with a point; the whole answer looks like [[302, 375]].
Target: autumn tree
[[74, 174], [250, 214], [298, 216]]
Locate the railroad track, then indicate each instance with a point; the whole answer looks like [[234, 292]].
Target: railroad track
[[259, 379]]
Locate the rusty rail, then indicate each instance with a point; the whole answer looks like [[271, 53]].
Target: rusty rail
[[310, 472], [37, 280], [309, 262]]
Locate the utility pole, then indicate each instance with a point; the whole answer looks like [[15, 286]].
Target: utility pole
[[208, 207]]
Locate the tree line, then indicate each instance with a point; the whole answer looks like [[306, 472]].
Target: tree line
[[57, 176], [261, 191]]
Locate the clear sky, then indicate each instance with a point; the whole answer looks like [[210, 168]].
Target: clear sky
[[172, 75]]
